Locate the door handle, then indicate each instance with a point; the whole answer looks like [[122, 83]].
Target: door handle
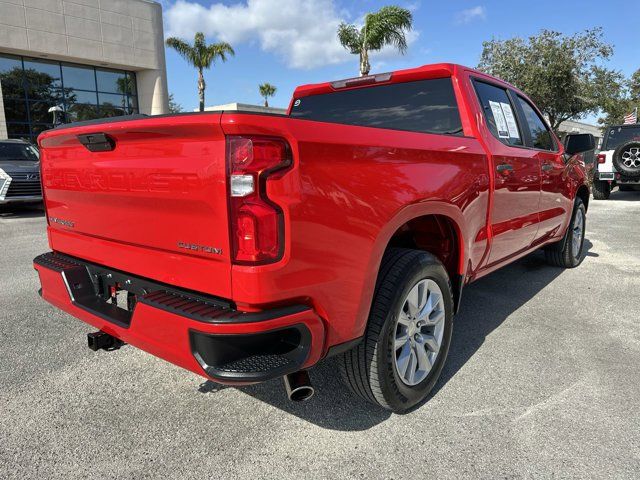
[[505, 168], [546, 167]]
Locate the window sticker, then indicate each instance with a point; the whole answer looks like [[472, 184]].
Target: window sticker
[[512, 126], [498, 116]]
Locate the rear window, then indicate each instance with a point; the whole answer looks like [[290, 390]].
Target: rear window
[[18, 152], [616, 136], [426, 106]]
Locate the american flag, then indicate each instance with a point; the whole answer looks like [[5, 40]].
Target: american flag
[[632, 117]]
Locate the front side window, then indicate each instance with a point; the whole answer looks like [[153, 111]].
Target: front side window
[[540, 134], [426, 106], [499, 113]]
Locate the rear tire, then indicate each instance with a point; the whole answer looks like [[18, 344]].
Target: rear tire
[[372, 370], [569, 253], [601, 190]]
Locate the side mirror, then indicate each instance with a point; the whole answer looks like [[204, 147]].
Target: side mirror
[[579, 143]]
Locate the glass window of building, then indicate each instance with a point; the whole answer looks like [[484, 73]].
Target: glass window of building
[[11, 73], [42, 75], [30, 87], [80, 78]]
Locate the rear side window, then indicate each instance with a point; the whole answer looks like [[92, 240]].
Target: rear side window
[[499, 113], [540, 134], [427, 106], [616, 136]]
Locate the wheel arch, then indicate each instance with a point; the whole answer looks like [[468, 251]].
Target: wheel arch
[[434, 233], [583, 194], [417, 215]]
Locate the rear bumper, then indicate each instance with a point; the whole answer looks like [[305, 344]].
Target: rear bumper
[[618, 178], [202, 334]]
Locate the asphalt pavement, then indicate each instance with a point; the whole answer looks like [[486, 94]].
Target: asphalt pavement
[[542, 381]]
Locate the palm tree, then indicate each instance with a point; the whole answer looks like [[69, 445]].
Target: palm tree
[[267, 90], [201, 56], [387, 26]]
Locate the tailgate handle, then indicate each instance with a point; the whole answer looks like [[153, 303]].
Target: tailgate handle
[[97, 142]]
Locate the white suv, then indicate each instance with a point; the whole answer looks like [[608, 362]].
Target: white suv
[[619, 161]]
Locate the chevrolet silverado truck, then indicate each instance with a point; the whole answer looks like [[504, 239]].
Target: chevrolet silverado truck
[[618, 161], [246, 247], [19, 173]]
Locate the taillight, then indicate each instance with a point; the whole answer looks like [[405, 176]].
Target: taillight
[[602, 158], [257, 224]]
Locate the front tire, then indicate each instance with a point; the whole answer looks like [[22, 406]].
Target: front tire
[[569, 252], [408, 332], [601, 190]]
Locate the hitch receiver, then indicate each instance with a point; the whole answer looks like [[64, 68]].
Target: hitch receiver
[[102, 340]]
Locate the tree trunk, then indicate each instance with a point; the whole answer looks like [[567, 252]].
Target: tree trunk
[[364, 51], [365, 67], [266, 102], [201, 87]]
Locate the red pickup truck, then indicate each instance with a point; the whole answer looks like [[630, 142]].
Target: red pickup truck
[[245, 247]]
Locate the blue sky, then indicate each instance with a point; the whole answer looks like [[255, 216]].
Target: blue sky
[[292, 42]]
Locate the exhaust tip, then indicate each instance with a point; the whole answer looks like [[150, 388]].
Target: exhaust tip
[[301, 394], [298, 386]]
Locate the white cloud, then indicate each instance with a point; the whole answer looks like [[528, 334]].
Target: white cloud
[[301, 32], [471, 14]]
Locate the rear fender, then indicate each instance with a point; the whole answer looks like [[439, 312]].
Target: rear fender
[[403, 216]]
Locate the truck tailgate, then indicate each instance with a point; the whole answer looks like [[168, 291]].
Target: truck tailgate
[[155, 205]]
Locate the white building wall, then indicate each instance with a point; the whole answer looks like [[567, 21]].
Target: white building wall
[[124, 34]]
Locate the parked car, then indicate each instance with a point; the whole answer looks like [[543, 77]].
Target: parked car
[[619, 161], [245, 247], [19, 173]]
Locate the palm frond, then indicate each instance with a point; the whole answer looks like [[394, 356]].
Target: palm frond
[[388, 26], [199, 41], [350, 37], [220, 51], [267, 90], [185, 50]]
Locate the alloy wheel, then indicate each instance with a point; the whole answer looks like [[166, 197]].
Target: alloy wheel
[[631, 157], [419, 332], [578, 233]]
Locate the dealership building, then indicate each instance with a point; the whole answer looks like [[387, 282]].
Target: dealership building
[[90, 58]]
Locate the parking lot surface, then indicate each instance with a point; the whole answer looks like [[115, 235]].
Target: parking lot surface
[[543, 380]]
